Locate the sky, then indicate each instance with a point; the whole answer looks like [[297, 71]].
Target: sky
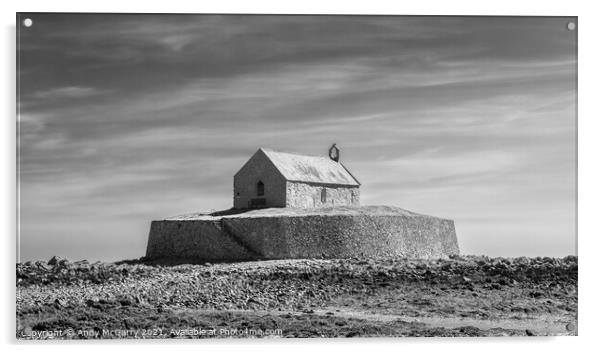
[[123, 119]]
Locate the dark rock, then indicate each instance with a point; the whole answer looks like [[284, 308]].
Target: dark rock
[[54, 260], [126, 301], [63, 263], [92, 301], [42, 266]]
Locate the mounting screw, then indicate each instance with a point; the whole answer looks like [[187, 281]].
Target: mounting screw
[[571, 26]]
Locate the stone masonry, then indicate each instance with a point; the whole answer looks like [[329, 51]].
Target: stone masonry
[[335, 232], [305, 195]]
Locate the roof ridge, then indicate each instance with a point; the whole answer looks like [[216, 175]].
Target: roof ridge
[[265, 149]]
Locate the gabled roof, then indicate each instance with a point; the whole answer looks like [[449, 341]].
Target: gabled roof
[[310, 169]]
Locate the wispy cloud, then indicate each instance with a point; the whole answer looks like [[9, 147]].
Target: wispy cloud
[[69, 92]]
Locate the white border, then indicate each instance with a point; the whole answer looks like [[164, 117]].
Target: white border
[[590, 177]]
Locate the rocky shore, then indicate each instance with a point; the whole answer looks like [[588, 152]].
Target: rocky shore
[[461, 296]]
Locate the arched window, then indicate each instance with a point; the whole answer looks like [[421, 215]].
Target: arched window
[[323, 195], [260, 188]]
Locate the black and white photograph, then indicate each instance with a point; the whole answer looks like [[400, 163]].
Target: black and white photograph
[[273, 176]]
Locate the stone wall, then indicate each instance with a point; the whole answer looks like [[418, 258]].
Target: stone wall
[[259, 168], [306, 195], [362, 232], [202, 240]]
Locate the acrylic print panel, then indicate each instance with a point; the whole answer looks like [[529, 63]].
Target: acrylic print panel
[[238, 176]]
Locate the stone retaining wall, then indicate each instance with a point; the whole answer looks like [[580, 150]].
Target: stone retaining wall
[[202, 240], [241, 238]]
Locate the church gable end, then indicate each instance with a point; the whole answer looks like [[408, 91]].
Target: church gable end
[[259, 184]]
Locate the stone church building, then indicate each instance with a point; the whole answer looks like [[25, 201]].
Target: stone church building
[[300, 210], [278, 179]]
